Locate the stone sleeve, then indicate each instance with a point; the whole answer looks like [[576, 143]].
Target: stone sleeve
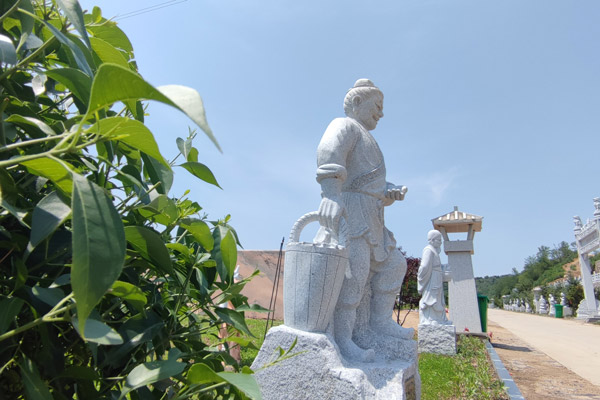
[[332, 153], [425, 268]]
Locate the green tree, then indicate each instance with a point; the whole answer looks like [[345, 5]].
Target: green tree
[[109, 286]]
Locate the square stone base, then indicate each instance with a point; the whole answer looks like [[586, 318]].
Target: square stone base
[[317, 371], [437, 339]]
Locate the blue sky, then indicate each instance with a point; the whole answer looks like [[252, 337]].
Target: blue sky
[[492, 106]]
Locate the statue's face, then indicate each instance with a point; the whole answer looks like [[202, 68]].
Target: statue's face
[[369, 110], [436, 241]]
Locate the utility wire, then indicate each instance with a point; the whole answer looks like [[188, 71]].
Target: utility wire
[[148, 9], [275, 289]]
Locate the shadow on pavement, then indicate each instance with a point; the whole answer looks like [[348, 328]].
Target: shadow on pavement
[[512, 348]]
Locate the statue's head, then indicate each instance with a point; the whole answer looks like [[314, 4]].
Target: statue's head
[[434, 237], [364, 102]]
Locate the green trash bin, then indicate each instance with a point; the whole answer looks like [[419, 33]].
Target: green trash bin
[[558, 308], [482, 301]]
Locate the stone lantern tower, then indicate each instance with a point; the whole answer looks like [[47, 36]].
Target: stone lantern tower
[[462, 294]]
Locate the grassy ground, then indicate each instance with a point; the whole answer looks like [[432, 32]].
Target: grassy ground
[[257, 327], [468, 375]]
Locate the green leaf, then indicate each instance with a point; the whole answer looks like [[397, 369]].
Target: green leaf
[[98, 245], [130, 132], [183, 249], [50, 213], [26, 22], [78, 372], [200, 230], [111, 33], [202, 373], [98, 332], [161, 210], [129, 292], [151, 372], [76, 81], [193, 155], [224, 252], [72, 10], [9, 309], [201, 171], [184, 146], [252, 307], [8, 54], [80, 59], [53, 170], [108, 53], [50, 296], [244, 382], [114, 83], [35, 387], [150, 246], [234, 318], [34, 127], [158, 173]]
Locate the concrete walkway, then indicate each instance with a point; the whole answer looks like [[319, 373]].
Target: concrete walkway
[[572, 343]]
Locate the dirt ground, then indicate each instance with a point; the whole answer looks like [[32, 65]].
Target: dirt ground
[[538, 376]]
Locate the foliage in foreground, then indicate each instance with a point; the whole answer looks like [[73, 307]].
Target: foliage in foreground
[[108, 286], [468, 375]]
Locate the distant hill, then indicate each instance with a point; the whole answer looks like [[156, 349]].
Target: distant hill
[[547, 266], [259, 289]]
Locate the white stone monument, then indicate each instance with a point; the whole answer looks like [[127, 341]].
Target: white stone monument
[[543, 309], [537, 291], [462, 293], [567, 311], [587, 239], [551, 304], [527, 307], [350, 347], [436, 332]]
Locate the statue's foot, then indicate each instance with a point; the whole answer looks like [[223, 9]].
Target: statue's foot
[[393, 329], [351, 351]]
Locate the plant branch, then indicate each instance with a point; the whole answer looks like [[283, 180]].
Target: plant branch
[[10, 11], [49, 317], [32, 142]]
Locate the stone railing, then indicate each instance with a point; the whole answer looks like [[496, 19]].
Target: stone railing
[[596, 279]]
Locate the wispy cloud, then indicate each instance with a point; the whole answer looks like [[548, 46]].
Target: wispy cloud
[[434, 185]]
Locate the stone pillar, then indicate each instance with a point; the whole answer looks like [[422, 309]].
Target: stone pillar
[[588, 308], [587, 238]]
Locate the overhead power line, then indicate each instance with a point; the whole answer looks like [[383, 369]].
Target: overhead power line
[[148, 9]]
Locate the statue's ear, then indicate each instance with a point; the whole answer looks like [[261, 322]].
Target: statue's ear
[[356, 100]]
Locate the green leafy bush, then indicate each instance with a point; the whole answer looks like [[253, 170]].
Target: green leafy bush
[[108, 286]]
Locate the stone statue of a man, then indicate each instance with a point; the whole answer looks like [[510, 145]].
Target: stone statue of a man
[[351, 171], [430, 283]]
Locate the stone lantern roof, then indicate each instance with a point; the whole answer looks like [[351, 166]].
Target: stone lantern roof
[[458, 221]]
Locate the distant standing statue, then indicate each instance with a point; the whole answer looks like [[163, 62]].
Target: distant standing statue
[[551, 302], [351, 171], [430, 278], [543, 306]]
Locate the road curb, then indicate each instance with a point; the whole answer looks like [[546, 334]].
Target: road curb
[[511, 387]]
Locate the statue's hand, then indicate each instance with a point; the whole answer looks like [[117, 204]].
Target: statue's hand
[[330, 212], [396, 192]]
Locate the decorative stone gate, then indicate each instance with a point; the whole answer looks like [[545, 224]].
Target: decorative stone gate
[[587, 238]]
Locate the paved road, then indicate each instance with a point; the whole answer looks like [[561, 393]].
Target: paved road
[[572, 343]]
